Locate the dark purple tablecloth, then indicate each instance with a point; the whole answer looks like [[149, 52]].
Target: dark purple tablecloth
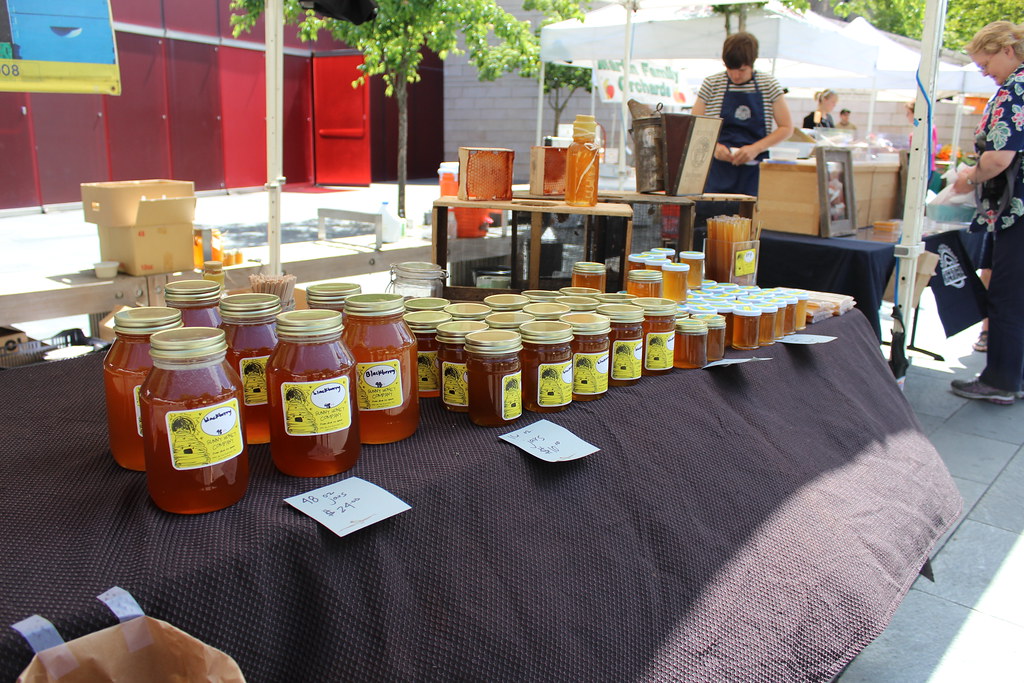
[[754, 523]]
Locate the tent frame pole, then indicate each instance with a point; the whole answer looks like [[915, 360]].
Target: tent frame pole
[[274, 22]]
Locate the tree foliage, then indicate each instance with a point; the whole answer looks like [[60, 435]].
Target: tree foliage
[[906, 17], [560, 82]]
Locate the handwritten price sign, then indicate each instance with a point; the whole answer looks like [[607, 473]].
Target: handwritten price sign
[[348, 505], [549, 442]]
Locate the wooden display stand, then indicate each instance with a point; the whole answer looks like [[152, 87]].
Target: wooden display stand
[[598, 222], [687, 209]]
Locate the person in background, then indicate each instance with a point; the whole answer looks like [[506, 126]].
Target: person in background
[[844, 121], [821, 117], [998, 50], [748, 102]]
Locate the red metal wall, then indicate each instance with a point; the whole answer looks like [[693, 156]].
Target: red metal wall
[[18, 166], [243, 95]]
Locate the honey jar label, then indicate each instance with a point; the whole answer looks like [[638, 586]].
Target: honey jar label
[[137, 391], [253, 372], [660, 348], [512, 396], [746, 262], [627, 359], [319, 407], [204, 436], [426, 370], [379, 385], [554, 384], [590, 373], [454, 384]]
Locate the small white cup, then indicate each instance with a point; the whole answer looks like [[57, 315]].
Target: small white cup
[[105, 270]]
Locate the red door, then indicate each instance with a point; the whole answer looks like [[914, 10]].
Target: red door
[[341, 122]]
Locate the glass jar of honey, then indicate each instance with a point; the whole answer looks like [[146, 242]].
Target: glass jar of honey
[[691, 350], [802, 297], [468, 311], [508, 320], [197, 300], [330, 296], [546, 311], [193, 432], [314, 426], [214, 272], [417, 279], [635, 261], [451, 353], [746, 319], [766, 327], [428, 367], [674, 284], [506, 302], [694, 259], [385, 351], [659, 334], [124, 369], [655, 262], [665, 252], [578, 304], [626, 341], [249, 327], [590, 274], [547, 365], [426, 303], [494, 376], [644, 283], [716, 335], [789, 325], [590, 354]]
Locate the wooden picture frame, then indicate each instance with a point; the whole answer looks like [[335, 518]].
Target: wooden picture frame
[[837, 202]]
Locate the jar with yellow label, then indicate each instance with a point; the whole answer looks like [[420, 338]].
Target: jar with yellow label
[[330, 296], [451, 353], [506, 302], [691, 350], [716, 335], [249, 327], [659, 334], [590, 274], [546, 311], [385, 351], [694, 259], [644, 283], [314, 424], [494, 376], [193, 431], [578, 304], [426, 303], [197, 300], [547, 365], [626, 343], [468, 311], [590, 354], [124, 369], [746, 319], [428, 367]]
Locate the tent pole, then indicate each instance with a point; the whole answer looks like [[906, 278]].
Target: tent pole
[[274, 22], [872, 101], [540, 104], [630, 7]]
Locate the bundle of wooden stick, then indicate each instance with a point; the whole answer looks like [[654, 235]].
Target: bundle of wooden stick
[[281, 285]]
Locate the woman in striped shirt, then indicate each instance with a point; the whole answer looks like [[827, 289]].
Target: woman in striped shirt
[[748, 102]]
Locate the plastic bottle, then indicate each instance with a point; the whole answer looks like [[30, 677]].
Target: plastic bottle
[[581, 164], [391, 224]]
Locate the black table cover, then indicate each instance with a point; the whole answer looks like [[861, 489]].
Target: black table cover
[[958, 291], [753, 523]]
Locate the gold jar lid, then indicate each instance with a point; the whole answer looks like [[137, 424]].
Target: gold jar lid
[[579, 291], [643, 275], [192, 292], [185, 343], [146, 320], [622, 313], [713, 320], [421, 270], [426, 303], [506, 302], [425, 322], [331, 292], [213, 266], [508, 320], [373, 305], [546, 311], [578, 304], [315, 322], [249, 306], [455, 331], [468, 311], [494, 342], [654, 305], [615, 298], [588, 267], [691, 326], [546, 332], [540, 295], [588, 323]]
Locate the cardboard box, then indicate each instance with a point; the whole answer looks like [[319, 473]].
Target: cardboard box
[[11, 338], [148, 249], [139, 202]]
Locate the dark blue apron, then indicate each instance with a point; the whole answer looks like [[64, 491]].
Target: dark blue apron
[[742, 124]]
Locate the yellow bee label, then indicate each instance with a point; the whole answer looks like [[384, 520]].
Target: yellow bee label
[[253, 372], [554, 384], [660, 347], [137, 391], [746, 262], [512, 396], [590, 373], [627, 358], [426, 370], [205, 436], [320, 407], [454, 384], [379, 385]]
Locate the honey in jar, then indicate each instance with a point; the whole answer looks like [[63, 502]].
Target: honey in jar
[[546, 365], [691, 344], [789, 326], [506, 302], [508, 320], [197, 300], [665, 252], [314, 424], [451, 352], [635, 262], [193, 432], [694, 259], [655, 262], [468, 311], [494, 376], [426, 303], [800, 319], [659, 334], [124, 369], [746, 320], [546, 311], [591, 275], [780, 316], [644, 283], [330, 296], [626, 343], [766, 327], [428, 367], [249, 324], [385, 351], [716, 335], [590, 354], [674, 281]]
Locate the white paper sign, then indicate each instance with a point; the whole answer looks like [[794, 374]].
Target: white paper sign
[[806, 339], [550, 442], [348, 505], [730, 361]]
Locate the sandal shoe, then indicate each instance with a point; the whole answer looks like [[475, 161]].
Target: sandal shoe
[[982, 344], [976, 389]]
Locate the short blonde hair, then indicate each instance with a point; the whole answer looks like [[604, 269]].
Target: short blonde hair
[[995, 36]]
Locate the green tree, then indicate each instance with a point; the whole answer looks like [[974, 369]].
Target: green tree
[[964, 18], [906, 17], [560, 82], [392, 45]]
